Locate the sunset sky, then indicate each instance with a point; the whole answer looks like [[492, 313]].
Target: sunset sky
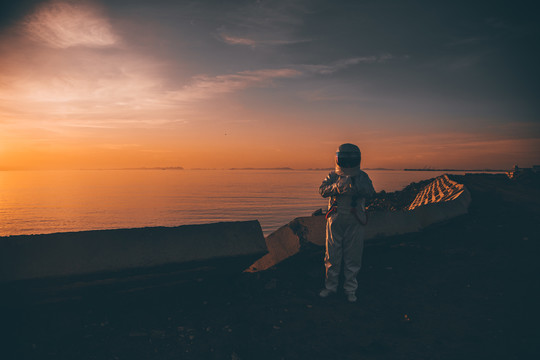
[[219, 84]]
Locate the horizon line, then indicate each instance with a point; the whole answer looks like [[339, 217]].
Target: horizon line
[[284, 168]]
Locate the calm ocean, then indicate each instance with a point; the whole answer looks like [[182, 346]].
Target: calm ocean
[[37, 202]]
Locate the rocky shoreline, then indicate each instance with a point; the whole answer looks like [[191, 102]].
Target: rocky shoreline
[[467, 288]]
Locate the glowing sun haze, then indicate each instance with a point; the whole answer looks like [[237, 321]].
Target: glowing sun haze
[[114, 84]]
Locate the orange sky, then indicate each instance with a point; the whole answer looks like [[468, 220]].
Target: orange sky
[[89, 85]]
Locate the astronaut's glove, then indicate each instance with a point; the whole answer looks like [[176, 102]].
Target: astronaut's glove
[[343, 185]]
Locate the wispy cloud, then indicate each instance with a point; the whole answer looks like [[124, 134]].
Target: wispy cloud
[[237, 40], [63, 24], [71, 76], [264, 23], [232, 40], [344, 63], [204, 86], [80, 82]]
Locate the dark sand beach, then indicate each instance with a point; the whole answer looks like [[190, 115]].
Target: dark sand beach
[[468, 288]]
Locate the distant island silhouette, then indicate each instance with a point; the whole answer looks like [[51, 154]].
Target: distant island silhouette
[[474, 170], [251, 168], [155, 168]]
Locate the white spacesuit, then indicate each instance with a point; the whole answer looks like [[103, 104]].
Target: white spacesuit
[[347, 187]]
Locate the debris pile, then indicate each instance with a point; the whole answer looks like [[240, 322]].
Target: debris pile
[[397, 200]]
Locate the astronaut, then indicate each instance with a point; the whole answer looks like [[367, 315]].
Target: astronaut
[[347, 188]]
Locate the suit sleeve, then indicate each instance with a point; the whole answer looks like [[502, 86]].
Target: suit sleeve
[[363, 187], [329, 186]]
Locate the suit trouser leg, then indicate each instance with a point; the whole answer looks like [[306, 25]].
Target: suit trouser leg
[[333, 256], [353, 248]]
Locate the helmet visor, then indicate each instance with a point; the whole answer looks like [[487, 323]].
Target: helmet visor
[[348, 159]]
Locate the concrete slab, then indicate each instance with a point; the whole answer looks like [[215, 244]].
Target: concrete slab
[[43, 256]]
